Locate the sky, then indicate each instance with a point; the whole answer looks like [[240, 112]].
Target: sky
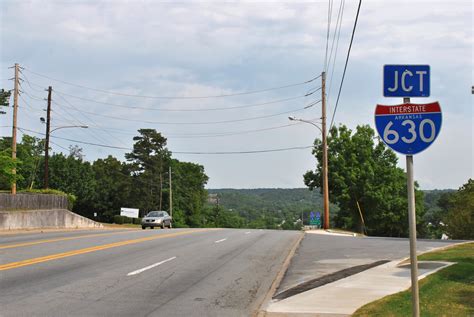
[[110, 64]]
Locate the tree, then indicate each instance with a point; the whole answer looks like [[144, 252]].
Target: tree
[[74, 176], [459, 208], [112, 187], [29, 158], [189, 194], [7, 178], [4, 99], [149, 160], [364, 173]]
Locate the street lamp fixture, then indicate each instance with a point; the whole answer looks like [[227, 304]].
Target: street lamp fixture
[[292, 118], [69, 126], [46, 145]]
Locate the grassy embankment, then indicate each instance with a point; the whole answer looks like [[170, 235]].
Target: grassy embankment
[[449, 292]]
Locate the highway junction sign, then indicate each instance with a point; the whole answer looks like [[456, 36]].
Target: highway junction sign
[[406, 81], [408, 128]]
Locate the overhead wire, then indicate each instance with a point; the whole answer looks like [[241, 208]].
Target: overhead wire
[[338, 23], [214, 135], [335, 52], [175, 97], [194, 135], [182, 110], [179, 152], [192, 123], [328, 31], [345, 66], [82, 112], [174, 109]]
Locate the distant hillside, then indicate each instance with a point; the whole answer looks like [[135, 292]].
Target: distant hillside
[[278, 202]]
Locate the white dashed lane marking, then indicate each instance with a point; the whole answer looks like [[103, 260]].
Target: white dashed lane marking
[[150, 267]]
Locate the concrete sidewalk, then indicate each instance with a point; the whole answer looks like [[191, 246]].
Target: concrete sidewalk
[[322, 253], [333, 274], [345, 296]]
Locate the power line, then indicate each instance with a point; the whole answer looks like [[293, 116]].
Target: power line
[[248, 152], [327, 36], [190, 123], [172, 109], [184, 136], [345, 66], [175, 97], [180, 152], [214, 135], [337, 45], [88, 118], [181, 110], [338, 23]]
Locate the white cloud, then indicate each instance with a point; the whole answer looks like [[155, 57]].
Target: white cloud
[[202, 48]]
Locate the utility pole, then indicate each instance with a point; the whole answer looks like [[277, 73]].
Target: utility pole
[[325, 153], [14, 126], [171, 196], [161, 188], [46, 143]]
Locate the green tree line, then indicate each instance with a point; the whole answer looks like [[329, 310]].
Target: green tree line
[[106, 185], [371, 191]]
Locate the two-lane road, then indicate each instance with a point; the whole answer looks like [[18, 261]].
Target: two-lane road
[[179, 272]]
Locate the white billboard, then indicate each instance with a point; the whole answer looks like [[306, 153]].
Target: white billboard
[[129, 212]]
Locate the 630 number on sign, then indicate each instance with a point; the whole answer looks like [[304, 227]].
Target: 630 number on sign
[[408, 128]]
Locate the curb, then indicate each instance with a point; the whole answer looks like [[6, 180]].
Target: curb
[[407, 259], [260, 312]]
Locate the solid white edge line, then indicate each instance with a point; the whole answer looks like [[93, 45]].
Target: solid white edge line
[[150, 267], [221, 240]]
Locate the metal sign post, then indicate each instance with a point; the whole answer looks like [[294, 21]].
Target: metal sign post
[[409, 129], [415, 302]]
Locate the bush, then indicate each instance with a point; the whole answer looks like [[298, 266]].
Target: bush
[[118, 219], [71, 199], [123, 219], [136, 221]]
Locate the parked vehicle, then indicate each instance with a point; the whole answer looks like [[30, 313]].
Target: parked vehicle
[[157, 219]]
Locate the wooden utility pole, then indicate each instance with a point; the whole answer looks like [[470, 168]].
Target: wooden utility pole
[[325, 154], [46, 143], [171, 197], [14, 126], [161, 188]]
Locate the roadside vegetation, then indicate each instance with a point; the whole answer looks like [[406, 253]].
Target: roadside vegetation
[[367, 189], [448, 292]]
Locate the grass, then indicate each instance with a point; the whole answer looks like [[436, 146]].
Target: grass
[[449, 292], [125, 225]]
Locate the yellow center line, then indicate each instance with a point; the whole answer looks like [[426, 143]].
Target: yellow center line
[[24, 244], [14, 265]]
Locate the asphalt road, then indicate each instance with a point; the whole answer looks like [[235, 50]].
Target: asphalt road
[[178, 272]]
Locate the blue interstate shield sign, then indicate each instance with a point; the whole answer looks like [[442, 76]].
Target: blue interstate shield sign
[[408, 128]]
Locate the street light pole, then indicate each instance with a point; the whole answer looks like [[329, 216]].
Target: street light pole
[[325, 151], [48, 133]]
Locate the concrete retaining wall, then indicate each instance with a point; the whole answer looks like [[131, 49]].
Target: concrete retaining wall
[[53, 218], [27, 201]]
